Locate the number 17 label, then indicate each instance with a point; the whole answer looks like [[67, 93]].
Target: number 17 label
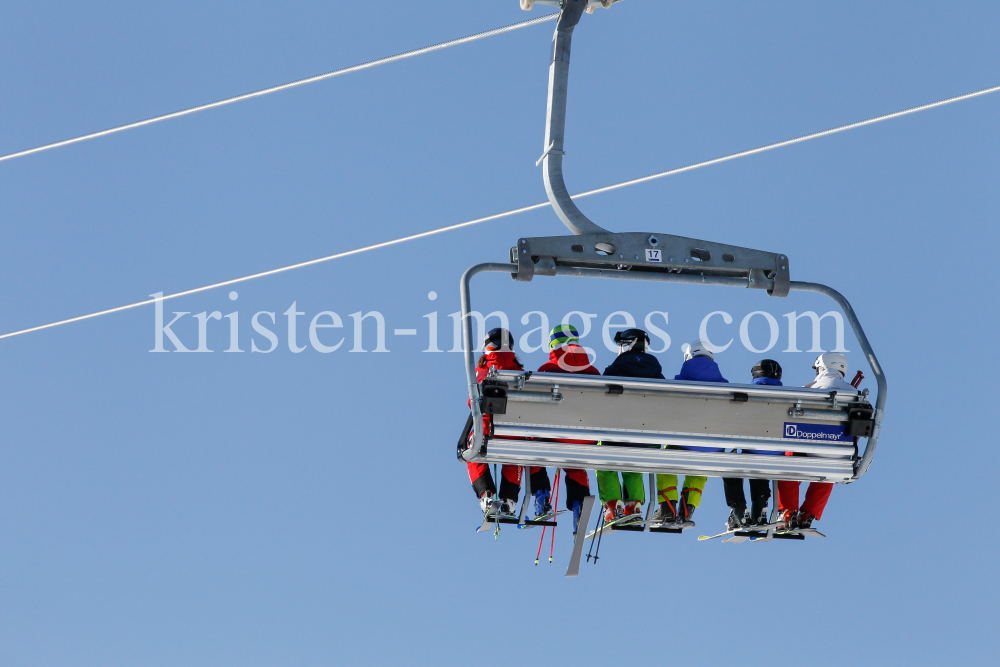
[[654, 255]]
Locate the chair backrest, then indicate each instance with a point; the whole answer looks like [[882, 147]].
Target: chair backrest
[[546, 407]]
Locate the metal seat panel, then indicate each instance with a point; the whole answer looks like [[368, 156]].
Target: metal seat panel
[[581, 407], [667, 461]]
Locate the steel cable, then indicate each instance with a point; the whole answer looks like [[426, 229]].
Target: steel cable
[[511, 212], [283, 86]]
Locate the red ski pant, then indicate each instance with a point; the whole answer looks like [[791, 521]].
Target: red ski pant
[[817, 495], [482, 480]]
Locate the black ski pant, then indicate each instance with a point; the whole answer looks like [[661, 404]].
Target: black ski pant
[[760, 491]]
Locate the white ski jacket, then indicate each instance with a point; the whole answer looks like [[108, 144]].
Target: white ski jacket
[[831, 379]]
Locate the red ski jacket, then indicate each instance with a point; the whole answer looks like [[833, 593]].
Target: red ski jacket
[[568, 359]]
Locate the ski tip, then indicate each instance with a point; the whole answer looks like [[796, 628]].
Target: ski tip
[[704, 537]]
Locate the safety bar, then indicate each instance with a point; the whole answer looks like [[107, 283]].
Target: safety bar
[[784, 394], [668, 461], [496, 267], [671, 439]]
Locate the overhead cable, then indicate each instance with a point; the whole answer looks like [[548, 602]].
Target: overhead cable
[[283, 269], [511, 212], [789, 142], [284, 86]]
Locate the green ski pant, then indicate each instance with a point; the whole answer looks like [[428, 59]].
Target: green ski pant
[[610, 488], [666, 488]]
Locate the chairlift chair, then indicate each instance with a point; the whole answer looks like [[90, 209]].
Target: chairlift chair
[[531, 411]]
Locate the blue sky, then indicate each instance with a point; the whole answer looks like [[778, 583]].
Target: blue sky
[[283, 508]]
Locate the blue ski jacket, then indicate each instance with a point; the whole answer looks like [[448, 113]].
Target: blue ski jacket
[[701, 369], [635, 365]]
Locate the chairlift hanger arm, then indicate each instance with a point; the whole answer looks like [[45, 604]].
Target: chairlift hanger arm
[[670, 253], [555, 122]]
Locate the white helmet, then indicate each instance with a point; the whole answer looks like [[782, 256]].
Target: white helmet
[[833, 360], [699, 348]]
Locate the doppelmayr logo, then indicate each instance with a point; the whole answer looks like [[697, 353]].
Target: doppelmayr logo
[[816, 432]]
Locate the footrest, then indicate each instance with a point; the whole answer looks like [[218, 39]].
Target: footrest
[[751, 533]]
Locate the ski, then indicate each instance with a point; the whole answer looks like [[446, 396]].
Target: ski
[[632, 522], [799, 533], [810, 532], [796, 534], [640, 527], [547, 519], [670, 527], [786, 535], [494, 516], [573, 570], [743, 532], [489, 516], [702, 538]]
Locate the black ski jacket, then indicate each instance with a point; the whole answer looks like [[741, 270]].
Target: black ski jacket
[[635, 365]]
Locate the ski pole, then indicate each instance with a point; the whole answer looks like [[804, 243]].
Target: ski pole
[[598, 525], [555, 510], [540, 542], [599, 536]]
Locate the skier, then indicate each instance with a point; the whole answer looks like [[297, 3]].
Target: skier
[[767, 372], [699, 365], [498, 352], [565, 356], [633, 361], [830, 368]]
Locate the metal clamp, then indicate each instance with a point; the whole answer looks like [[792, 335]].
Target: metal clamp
[[548, 153]]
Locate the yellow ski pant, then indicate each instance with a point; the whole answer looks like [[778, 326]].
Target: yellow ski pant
[[666, 488]]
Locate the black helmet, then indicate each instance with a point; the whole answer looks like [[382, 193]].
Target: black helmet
[[767, 368], [632, 340], [498, 340]]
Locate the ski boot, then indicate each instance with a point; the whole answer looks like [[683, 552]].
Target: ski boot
[[486, 502], [685, 511], [666, 513], [633, 508], [787, 521], [739, 518], [804, 521], [508, 507], [613, 510], [758, 513], [577, 510], [542, 505]]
